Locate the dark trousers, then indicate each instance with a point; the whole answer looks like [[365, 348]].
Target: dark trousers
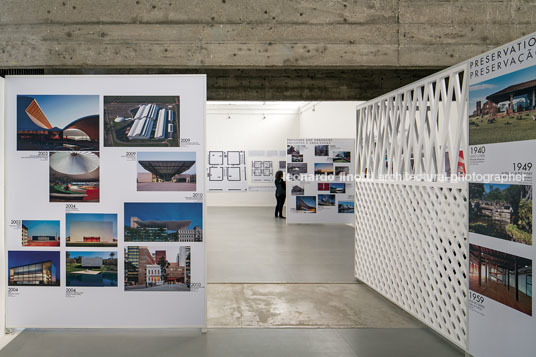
[[279, 207]]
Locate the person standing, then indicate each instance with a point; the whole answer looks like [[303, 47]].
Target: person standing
[[280, 193]]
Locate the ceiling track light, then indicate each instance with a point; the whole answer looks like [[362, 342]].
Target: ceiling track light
[[263, 116], [228, 116]]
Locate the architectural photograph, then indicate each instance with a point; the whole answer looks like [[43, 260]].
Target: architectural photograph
[[40, 233], [342, 156], [157, 269], [500, 276], [163, 222], [297, 189], [306, 204], [166, 171], [503, 109], [342, 170], [321, 150], [74, 176], [33, 268], [296, 158], [91, 268], [345, 206], [326, 200], [323, 186], [141, 121], [293, 150], [58, 122], [91, 229], [337, 187], [501, 211], [297, 168], [322, 168]]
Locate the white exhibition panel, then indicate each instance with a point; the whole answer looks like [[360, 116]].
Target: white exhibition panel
[[411, 235], [502, 139], [324, 196], [29, 196], [2, 215]]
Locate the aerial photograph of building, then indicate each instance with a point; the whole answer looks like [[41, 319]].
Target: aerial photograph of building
[[166, 171], [501, 211], [157, 268], [91, 230], [503, 109], [38, 233], [33, 268], [74, 176], [58, 122], [163, 222], [91, 268], [502, 277], [306, 204], [141, 121]]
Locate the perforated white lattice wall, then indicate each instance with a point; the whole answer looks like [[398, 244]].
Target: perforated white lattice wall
[[411, 232]]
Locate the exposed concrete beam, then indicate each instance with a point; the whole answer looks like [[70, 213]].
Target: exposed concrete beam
[[256, 34], [283, 84]]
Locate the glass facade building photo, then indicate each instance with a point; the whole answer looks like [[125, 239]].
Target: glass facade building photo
[[33, 268]]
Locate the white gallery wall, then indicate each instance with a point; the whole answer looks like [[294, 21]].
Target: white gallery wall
[[328, 120], [267, 126], [249, 126]]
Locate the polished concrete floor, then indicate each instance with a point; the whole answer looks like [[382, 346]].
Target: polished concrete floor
[[273, 290], [249, 245], [303, 305], [415, 342]]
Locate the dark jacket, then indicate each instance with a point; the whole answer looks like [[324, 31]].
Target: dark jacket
[[280, 187]]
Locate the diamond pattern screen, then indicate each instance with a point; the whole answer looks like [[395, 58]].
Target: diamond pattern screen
[[411, 232]]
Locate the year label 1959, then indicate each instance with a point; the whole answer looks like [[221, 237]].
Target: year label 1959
[[476, 297]]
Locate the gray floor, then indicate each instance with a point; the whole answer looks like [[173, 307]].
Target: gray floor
[[303, 305], [414, 342], [249, 245]]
